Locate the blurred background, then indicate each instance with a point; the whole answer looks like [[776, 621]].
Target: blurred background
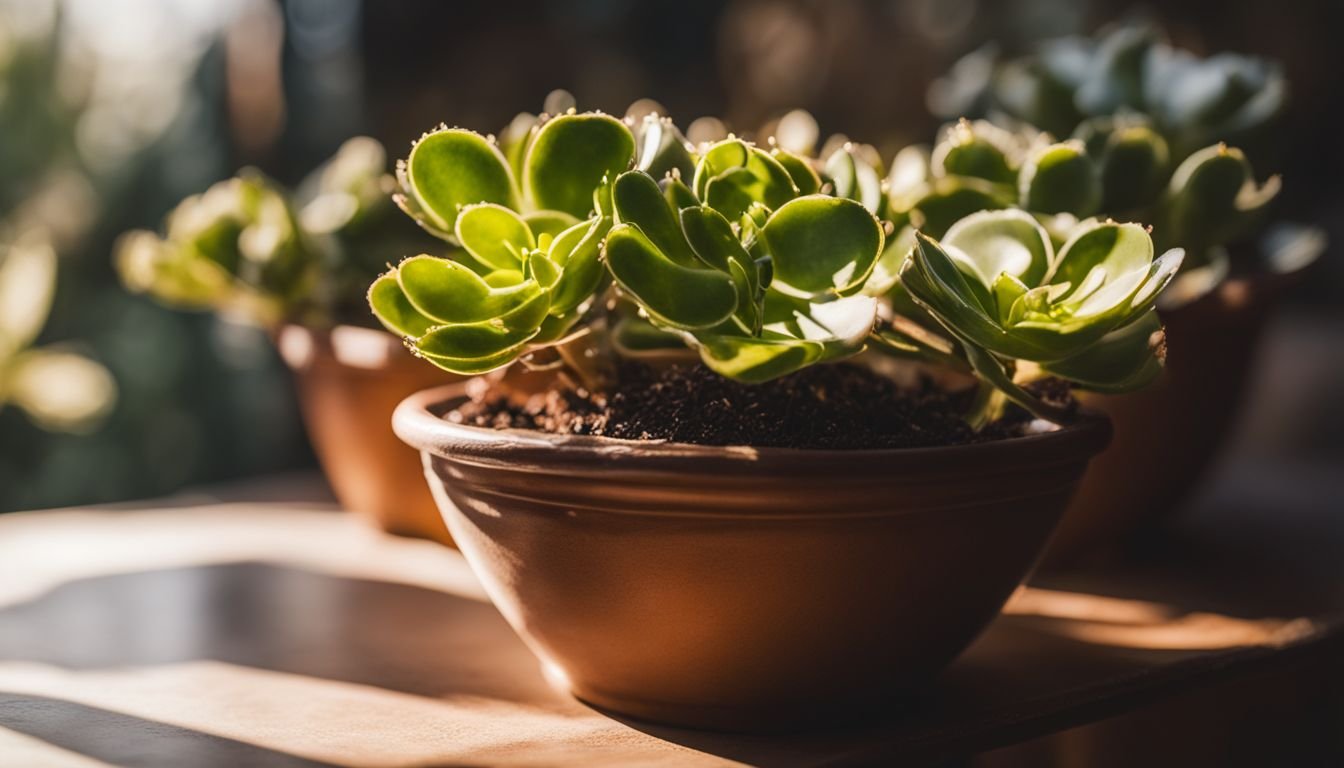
[[112, 112]]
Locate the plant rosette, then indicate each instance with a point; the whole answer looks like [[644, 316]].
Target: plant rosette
[[586, 240]]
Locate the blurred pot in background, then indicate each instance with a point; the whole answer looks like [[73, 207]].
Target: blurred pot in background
[[297, 264]]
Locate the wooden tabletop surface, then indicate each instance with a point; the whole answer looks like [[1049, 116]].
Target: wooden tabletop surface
[[256, 625]]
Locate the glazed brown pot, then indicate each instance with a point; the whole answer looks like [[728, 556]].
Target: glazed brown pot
[[739, 588], [1167, 437], [349, 380]]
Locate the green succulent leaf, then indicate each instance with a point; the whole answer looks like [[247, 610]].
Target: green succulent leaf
[[733, 175], [475, 347], [638, 200], [950, 200], [448, 292], [548, 222], [822, 246], [978, 150], [394, 310], [1125, 360], [673, 295], [797, 334], [637, 337], [581, 266], [1060, 178], [677, 194], [570, 157], [997, 242], [494, 235], [854, 178], [452, 168], [1212, 198], [662, 149], [800, 171]]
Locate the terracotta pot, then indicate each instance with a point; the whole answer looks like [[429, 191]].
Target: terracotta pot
[[739, 588], [1166, 437], [350, 379]]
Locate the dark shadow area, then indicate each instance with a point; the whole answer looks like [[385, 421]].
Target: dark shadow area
[[134, 742], [393, 636]]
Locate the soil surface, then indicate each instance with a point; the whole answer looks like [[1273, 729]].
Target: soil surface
[[841, 406]]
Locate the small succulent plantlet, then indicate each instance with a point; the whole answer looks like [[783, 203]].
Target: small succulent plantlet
[[595, 237], [249, 248], [1083, 312]]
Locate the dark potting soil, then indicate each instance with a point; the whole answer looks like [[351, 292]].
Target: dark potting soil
[[842, 406]]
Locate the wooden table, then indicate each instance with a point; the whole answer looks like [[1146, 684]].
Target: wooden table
[[258, 626]]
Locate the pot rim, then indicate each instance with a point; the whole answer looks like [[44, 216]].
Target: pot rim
[[418, 421]]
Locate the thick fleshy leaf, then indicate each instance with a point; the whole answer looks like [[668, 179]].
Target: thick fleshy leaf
[[753, 360], [996, 242], [804, 177], [936, 283], [1133, 167], [475, 348], [582, 267], [1102, 264], [887, 271], [448, 292], [452, 168], [822, 245], [1123, 361], [638, 200], [733, 175], [952, 199], [711, 238], [637, 337], [494, 235], [854, 178], [662, 149], [548, 222], [974, 151], [570, 156], [797, 334], [394, 310], [714, 242], [1060, 178], [673, 295], [1212, 197]]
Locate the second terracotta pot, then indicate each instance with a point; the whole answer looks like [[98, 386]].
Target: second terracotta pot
[[1167, 437], [349, 380], [741, 588]]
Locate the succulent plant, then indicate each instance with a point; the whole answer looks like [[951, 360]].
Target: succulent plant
[[250, 248], [1192, 102], [236, 247], [1083, 312], [764, 261], [725, 252], [1118, 167]]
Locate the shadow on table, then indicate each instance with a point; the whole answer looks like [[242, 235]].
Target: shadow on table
[[394, 636], [102, 735]]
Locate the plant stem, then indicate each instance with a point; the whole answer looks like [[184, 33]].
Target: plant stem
[[987, 407]]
